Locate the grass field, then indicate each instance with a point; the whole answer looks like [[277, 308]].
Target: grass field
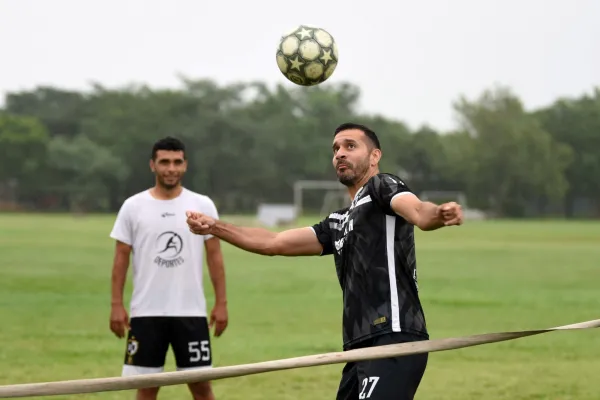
[[481, 277]]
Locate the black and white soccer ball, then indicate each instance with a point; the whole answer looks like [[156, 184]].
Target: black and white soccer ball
[[307, 55]]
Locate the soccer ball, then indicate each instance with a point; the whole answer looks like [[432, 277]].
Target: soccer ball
[[307, 55]]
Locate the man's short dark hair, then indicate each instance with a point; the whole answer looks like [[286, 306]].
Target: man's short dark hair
[[368, 132], [168, 143]]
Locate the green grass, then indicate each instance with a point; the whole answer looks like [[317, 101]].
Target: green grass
[[481, 277]]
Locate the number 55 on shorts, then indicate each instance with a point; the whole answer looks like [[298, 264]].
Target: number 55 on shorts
[[199, 351]]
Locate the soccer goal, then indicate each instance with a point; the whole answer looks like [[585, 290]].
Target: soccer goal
[[335, 195]]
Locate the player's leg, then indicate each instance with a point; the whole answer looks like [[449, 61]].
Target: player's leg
[[147, 346], [348, 389], [391, 378], [192, 348]]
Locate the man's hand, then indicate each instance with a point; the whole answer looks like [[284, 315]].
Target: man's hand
[[199, 223], [119, 320], [451, 213], [219, 318]]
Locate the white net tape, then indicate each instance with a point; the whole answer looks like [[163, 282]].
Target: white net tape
[[183, 377]]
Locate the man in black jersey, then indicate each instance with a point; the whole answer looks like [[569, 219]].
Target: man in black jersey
[[372, 243]]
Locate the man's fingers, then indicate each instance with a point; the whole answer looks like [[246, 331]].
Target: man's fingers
[[116, 329], [191, 214], [446, 216], [198, 223], [221, 325], [450, 207], [454, 221], [451, 212], [198, 230]]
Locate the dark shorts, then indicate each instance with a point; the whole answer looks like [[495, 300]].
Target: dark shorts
[[150, 337], [384, 379]]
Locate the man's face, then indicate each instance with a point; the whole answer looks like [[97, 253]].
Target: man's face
[[169, 167], [351, 156]]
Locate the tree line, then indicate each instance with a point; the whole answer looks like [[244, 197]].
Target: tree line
[[65, 150]]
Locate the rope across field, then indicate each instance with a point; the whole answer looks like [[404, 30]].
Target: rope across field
[[182, 377]]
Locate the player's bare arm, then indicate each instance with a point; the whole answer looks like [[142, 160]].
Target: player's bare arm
[[425, 215], [292, 242], [216, 269], [119, 320]]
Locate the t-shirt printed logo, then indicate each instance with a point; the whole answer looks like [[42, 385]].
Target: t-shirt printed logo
[[343, 224], [168, 246]]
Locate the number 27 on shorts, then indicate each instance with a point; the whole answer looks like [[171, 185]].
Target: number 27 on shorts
[[367, 387]]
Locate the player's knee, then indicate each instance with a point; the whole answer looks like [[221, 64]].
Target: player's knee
[[147, 394], [201, 391]]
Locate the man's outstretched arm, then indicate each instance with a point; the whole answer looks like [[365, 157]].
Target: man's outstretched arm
[[292, 242], [425, 215]]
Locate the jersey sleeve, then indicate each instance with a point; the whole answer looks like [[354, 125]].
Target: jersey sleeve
[[122, 228], [209, 208], [384, 188], [323, 232]]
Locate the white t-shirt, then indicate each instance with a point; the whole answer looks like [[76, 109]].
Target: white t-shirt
[[168, 259]]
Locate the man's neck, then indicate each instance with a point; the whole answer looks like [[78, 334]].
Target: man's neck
[[352, 190], [161, 193]]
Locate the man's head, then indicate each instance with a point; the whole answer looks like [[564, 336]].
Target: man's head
[[356, 153], [168, 162]]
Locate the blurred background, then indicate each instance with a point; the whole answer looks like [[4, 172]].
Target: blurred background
[[495, 101], [495, 104]]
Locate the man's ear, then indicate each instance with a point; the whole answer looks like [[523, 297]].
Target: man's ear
[[375, 157], [151, 163]]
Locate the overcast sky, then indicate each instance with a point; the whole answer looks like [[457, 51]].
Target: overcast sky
[[412, 59]]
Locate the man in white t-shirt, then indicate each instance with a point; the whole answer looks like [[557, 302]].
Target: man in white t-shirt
[[168, 305]]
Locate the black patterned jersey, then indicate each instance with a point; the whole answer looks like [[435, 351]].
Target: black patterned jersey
[[374, 253]]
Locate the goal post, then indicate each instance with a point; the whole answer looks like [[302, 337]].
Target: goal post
[[336, 195]]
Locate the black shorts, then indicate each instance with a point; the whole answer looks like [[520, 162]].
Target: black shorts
[[383, 379], [149, 339]]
